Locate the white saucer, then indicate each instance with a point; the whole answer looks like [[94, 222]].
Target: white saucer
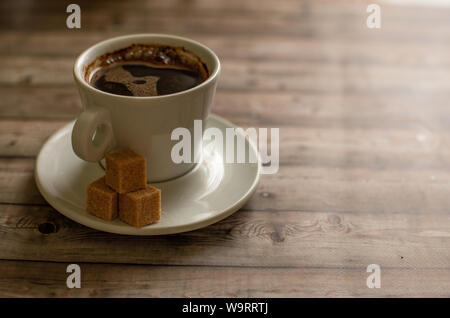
[[209, 193]]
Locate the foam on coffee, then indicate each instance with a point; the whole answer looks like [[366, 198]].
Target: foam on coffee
[[146, 70]]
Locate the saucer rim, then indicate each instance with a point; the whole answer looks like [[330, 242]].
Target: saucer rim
[[146, 231]]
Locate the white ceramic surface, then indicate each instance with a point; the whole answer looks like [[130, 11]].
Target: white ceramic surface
[[143, 124], [208, 193]]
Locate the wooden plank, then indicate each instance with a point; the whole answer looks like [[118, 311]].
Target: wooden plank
[[41, 279], [300, 21], [44, 103], [25, 138], [332, 189], [260, 76], [419, 144], [246, 239], [383, 165], [22, 165], [238, 46], [324, 7], [256, 109], [317, 7]]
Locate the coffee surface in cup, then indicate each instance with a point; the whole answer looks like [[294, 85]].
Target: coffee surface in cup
[[146, 70]]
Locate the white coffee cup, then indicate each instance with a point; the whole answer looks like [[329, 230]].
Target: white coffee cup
[[144, 124]]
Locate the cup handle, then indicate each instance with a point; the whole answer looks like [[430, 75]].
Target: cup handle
[[85, 144]]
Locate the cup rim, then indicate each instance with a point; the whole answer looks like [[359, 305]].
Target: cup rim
[[77, 68]]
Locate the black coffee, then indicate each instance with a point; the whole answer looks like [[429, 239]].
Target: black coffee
[[146, 70]]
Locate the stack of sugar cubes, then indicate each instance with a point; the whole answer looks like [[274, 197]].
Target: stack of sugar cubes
[[124, 192]]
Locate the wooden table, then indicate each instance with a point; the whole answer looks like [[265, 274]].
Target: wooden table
[[364, 122]]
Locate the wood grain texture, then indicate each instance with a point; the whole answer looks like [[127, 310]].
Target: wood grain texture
[[244, 75], [299, 188], [247, 239], [364, 151], [249, 108], [45, 279]]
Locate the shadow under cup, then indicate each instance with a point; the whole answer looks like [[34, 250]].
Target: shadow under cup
[[146, 125]]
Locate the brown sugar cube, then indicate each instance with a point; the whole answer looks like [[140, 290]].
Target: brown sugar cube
[[101, 200], [140, 207], [126, 171]]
